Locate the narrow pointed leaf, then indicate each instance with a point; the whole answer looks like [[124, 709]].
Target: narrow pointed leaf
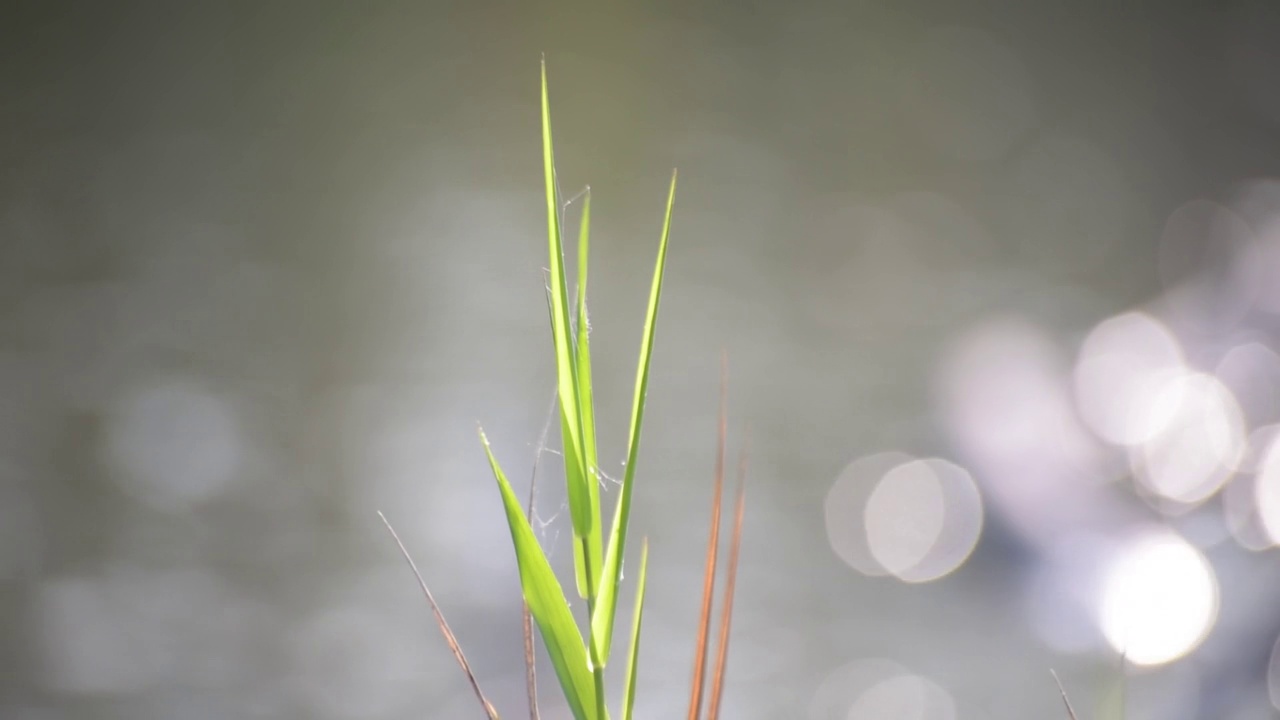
[[607, 604], [587, 419], [547, 603], [566, 381], [629, 689]]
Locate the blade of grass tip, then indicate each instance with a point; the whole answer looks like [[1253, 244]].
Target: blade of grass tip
[[526, 620], [586, 401], [726, 610], [713, 543], [587, 549], [449, 638], [547, 603], [629, 689], [602, 615], [576, 479], [1071, 713]]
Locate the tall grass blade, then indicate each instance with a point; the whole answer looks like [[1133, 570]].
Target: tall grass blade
[[726, 610], [576, 479], [449, 638], [602, 615], [629, 689], [713, 544], [547, 604], [586, 404]]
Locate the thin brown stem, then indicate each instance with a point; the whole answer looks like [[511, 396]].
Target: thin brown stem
[[526, 618], [726, 610], [713, 543], [444, 625]]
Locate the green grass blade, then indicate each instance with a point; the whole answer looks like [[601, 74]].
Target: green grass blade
[[547, 604], [576, 477], [603, 615], [629, 690], [586, 402]]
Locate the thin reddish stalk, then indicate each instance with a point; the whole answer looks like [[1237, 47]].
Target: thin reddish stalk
[[713, 542], [726, 610], [444, 626]]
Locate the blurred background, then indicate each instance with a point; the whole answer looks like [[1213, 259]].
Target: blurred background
[[998, 282]]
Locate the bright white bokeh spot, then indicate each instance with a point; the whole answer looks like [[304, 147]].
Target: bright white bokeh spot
[[845, 509], [1267, 490], [923, 519], [904, 517], [1159, 599], [1122, 378], [173, 444], [1200, 444]]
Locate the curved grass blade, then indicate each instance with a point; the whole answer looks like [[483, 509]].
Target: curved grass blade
[[449, 638], [603, 614], [576, 478], [726, 610], [713, 544], [547, 603], [629, 689], [587, 418]]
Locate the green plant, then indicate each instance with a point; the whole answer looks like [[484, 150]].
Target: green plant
[[579, 663]]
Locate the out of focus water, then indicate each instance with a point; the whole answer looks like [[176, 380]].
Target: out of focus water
[[997, 282]]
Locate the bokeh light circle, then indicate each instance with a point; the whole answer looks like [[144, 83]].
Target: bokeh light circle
[[1121, 378], [923, 519], [1201, 443], [844, 507], [1266, 489], [1159, 599]]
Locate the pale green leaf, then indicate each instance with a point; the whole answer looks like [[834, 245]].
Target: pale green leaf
[[576, 475], [586, 403], [547, 604], [629, 689], [607, 601]]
